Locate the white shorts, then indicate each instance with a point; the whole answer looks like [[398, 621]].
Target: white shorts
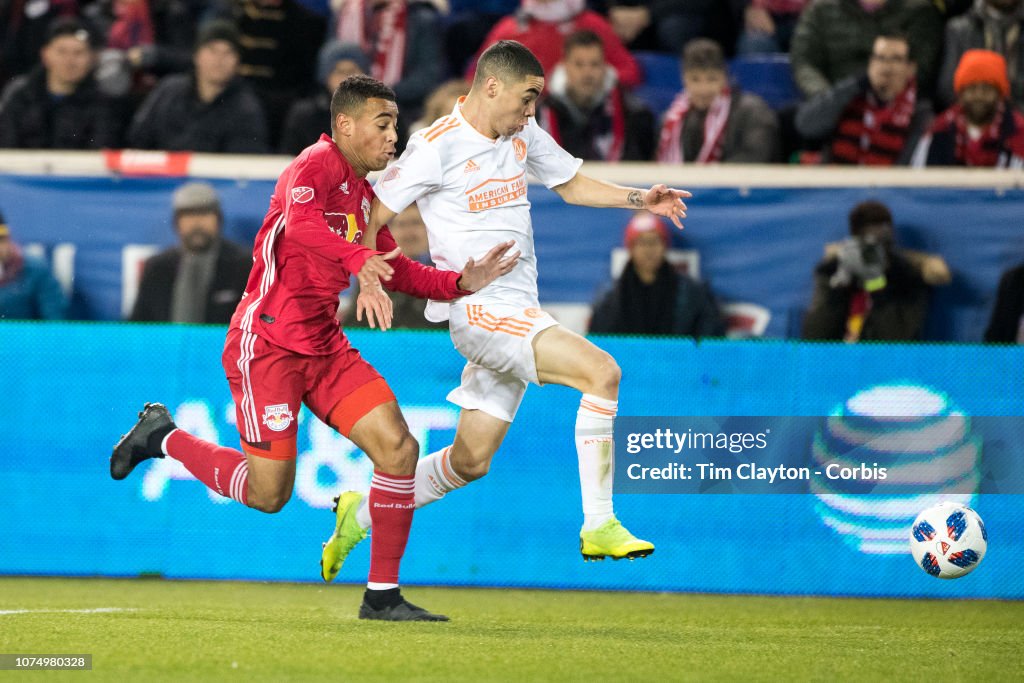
[[497, 342]]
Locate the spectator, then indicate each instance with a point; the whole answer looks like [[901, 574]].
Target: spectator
[[411, 235], [468, 24], [404, 42], [201, 279], [982, 128], [588, 113], [541, 25], [24, 30], [992, 25], [57, 105], [309, 118], [651, 296], [441, 102], [28, 291], [145, 39], [874, 119], [768, 25], [868, 290], [668, 25], [279, 44], [833, 39], [1007, 323], [209, 110], [711, 122]]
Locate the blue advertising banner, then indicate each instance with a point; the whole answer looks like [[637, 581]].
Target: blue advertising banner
[[756, 246], [71, 389]]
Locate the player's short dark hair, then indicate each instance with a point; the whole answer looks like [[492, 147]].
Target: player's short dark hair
[[582, 38], [871, 212], [509, 61], [350, 96], [703, 54]]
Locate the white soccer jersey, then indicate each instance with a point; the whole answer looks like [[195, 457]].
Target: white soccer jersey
[[471, 192]]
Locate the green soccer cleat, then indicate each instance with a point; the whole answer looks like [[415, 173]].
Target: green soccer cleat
[[347, 533], [613, 540]]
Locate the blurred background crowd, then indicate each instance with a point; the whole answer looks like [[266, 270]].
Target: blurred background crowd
[[852, 82]]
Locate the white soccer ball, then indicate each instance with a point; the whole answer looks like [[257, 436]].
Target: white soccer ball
[[948, 540]]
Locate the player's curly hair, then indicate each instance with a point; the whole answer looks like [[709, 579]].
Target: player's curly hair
[[350, 96], [509, 61]]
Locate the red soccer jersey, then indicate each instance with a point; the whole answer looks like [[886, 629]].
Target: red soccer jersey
[[307, 248]]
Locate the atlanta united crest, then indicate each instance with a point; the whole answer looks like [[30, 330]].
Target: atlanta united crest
[[277, 417]]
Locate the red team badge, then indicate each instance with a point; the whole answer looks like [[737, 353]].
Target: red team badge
[[301, 195], [277, 417]]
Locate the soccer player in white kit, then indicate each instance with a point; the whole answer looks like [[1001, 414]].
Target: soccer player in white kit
[[467, 173]]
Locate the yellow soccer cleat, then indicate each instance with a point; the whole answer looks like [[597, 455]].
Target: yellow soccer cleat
[[347, 534], [613, 540]]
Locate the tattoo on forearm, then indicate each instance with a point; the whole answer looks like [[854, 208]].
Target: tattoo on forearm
[[636, 199]]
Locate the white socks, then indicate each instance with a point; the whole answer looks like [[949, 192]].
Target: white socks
[[434, 478], [596, 453]]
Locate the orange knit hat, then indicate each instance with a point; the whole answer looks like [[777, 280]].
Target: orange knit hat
[[982, 66]]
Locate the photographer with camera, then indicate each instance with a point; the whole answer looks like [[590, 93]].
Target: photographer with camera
[[867, 289]]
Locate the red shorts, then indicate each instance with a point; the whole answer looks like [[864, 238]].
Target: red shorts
[[269, 385]]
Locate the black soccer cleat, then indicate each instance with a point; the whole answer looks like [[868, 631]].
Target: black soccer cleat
[[401, 611], [138, 444]]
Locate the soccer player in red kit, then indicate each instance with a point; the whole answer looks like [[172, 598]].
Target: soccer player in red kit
[[284, 346]]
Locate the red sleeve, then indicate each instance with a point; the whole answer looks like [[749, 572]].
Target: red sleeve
[[615, 52], [411, 277], [304, 195]]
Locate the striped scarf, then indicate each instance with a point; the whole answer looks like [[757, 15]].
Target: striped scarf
[[872, 132], [670, 149], [381, 33]]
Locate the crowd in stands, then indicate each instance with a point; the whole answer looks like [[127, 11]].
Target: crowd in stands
[[875, 83]]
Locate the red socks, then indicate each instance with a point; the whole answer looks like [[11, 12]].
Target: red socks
[[224, 470], [392, 503]]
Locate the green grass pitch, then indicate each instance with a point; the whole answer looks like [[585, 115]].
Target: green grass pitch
[[183, 630]]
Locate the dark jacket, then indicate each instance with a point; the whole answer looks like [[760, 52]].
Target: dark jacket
[[897, 312], [977, 30], [818, 117], [577, 130], [691, 310], [751, 133], [1008, 313], [173, 118], [306, 121], [834, 38], [30, 118], [156, 290]]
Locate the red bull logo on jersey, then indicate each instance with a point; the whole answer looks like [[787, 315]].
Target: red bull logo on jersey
[[277, 417]]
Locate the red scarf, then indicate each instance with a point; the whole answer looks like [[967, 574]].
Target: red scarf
[[872, 132], [670, 150], [132, 25], [991, 149], [610, 142], [380, 30]]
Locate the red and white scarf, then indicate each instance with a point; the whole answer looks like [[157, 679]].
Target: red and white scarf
[[380, 28], [872, 132], [133, 25], [670, 149], [609, 144]]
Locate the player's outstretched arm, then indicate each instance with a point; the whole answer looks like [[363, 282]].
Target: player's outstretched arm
[[659, 200], [372, 301], [497, 262]]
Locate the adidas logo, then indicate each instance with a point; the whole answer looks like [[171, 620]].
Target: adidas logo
[[470, 167]]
